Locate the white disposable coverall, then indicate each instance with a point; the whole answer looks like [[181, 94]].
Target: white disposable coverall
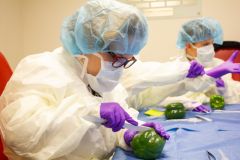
[[43, 105]]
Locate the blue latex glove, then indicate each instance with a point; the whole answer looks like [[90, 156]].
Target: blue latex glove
[[225, 68], [196, 69], [129, 134], [115, 116], [201, 108], [220, 83]]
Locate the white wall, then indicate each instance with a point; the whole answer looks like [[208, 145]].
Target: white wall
[[42, 22], [163, 33], [11, 44], [37, 28]]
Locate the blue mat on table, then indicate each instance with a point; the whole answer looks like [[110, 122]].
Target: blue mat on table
[[191, 141]]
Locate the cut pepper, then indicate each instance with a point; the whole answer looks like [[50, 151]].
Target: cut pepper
[[217, 102], [148, 144], [175, 111]]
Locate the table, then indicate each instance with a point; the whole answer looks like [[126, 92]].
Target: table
[[192, 140]]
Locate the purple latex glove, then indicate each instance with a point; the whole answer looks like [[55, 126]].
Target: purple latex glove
[[220, 83], [129, 134], [195, 70], [225, 68], [201, 108], [115, 116]]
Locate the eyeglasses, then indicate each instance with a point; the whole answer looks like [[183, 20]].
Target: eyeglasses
[[119, 61]]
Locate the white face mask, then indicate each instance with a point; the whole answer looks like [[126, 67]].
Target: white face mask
[[205, 54], [107, 78]]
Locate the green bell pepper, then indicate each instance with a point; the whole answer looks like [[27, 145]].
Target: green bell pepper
[[175, 111], [217, 102], [148, 144]]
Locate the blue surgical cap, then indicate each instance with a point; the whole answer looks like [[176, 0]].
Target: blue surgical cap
[[105, 26], [200, 30]]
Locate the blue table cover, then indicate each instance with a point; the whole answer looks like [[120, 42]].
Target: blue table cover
[[191, 141]]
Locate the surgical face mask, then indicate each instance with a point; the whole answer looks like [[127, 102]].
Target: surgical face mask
[[107, 78], [205, 54]]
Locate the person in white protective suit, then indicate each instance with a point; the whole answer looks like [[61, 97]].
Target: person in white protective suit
[[196, 38], [45, 103]]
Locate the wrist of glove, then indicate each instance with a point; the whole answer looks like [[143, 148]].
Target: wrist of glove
[[220, 83], [115, 116], [129, 134], [195, 70], [201, 108]]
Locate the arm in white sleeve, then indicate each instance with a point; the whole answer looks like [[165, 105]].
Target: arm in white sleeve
[[38, 124], [42, 118], [148, 87], [145, 75], [148, 73]]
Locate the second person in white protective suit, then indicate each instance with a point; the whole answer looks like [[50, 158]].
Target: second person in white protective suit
[[44, 105], [196, 38]]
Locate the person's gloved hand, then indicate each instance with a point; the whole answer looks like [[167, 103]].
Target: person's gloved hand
[[220, 83], [196, 69], [129, 134], [201, 108], [225, 68], [115, 116]]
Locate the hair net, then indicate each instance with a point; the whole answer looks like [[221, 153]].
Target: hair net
[[199, 30], [105, 26]]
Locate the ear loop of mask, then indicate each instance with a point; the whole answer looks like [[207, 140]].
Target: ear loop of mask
[[189, 56], [194, 46], [99, 56], [101, 59], [85, 63]]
